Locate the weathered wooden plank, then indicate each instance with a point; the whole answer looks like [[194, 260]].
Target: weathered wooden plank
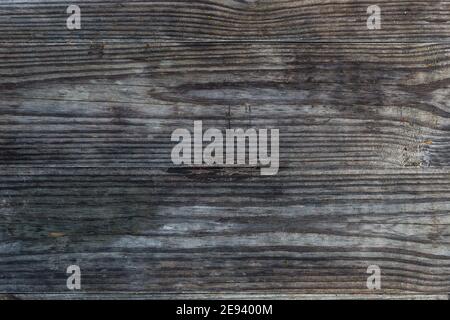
[[86, 175], [359, 104], [236, 20]]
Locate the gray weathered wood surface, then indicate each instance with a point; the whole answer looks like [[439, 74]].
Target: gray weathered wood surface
[[214, 20], [85, 170]]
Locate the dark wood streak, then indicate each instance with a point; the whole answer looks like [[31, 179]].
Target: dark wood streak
[[86, 176]]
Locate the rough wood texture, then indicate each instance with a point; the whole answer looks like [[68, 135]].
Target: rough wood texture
[[86, 176], [238, 20]]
